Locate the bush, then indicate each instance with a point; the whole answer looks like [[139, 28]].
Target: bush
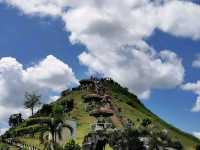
[[146, 122], [178, 145], [46, 110], [4, 146], [131, 103], [15, 120], [65, 92], [30, 129], [68, 105], [58, 109], [33, 121], [198, 147], [71, 145]]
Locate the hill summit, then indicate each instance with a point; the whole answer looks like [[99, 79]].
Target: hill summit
[[98, 114]]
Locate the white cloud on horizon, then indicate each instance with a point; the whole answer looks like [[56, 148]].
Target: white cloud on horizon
[[50, 75], [196, 62], [195, 88], [197, 134], [53, 98]]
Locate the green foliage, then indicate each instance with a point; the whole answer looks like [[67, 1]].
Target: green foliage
[[58, 109], [68, 105], [198, 147], [4, 146], [31, 101], [45, 110], [177, 145], [71, 145], [50, 145], [126, 139], [15, 120], [146, 122], [31, 129], [65, 92], [32, 121], [130, 102]]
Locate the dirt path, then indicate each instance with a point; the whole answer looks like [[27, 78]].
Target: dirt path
[[116, 121]]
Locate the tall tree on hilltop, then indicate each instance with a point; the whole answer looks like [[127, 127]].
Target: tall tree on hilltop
[[32, 100]]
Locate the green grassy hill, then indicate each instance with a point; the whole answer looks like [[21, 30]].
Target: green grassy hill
[[129, 106]]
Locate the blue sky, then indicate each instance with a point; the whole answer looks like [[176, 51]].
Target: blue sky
[[30, 38], [174, 105]]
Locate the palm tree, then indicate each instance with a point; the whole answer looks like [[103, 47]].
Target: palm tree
[[48, 124], [55, 127], [53, 124]]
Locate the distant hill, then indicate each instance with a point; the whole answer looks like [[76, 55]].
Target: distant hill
[[125, 106]]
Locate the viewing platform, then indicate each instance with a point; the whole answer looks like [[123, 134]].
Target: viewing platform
[[92, 97], [102, 112]]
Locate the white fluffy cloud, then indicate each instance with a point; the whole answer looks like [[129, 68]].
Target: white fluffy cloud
[[113, 32], [40, 7], [196, 62], [48, 76], [179, 18], [139, 71], [194, 87], [140, 17], [197, 134]]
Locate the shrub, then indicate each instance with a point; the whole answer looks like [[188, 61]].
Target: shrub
[[65, 92], [177, 145], [4, 146], [146, 122], [58, 109], [46, 110], [71, 145], [68, 105], [198, 147], [131, 103], [15, 120], [30, 129]]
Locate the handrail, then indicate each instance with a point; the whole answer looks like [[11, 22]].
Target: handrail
[[13, 142]]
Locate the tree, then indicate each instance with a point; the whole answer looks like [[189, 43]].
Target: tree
[[31, 101], [45, 110], [42, 125], [15, 120], [58, 110], [52, 124]]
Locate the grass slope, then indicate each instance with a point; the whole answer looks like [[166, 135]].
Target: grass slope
[[130, 107]]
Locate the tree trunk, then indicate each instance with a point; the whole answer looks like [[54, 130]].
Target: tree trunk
[[53, 136], [32, 111]]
